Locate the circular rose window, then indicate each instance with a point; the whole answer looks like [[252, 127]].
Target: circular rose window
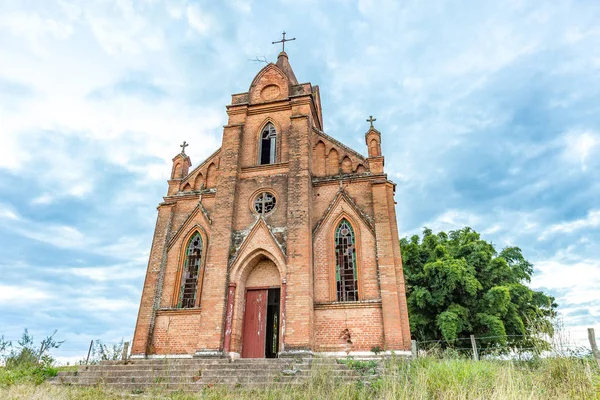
[[264, 203]]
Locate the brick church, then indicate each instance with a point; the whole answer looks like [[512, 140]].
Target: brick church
[[283, 242]]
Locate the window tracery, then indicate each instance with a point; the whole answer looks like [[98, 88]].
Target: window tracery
[[191, 271], [264, 203], [345, 263]]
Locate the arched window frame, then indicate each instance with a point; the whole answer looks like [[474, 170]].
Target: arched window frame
[[268, 130], [183, 265], [334, 263]]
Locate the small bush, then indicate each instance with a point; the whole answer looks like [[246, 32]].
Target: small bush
[[26, 362]]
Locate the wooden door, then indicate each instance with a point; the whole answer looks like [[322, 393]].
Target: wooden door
[[255, 322]]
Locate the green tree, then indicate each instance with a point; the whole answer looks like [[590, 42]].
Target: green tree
[[458, 284]]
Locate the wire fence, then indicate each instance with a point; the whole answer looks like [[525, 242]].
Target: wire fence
[[572, 343]]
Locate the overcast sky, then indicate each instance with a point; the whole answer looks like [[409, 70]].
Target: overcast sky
[[489, 113]]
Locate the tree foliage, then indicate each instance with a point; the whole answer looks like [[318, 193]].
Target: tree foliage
[[458, 284]]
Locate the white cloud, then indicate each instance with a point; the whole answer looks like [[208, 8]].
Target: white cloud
[[56, 235], [452, 219], [242, 6], [580, 145], [100, 304], [127, 246], [119, 273], [43, 199], [35, 29], [592, 220], [198, 19], [124, 29], [7, 213], [20, 294], [582, 276]]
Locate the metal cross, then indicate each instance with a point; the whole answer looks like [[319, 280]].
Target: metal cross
[[183, 146], [282, 41], [371, 120]]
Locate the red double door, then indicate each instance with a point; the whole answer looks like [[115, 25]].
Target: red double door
[[261, 324]]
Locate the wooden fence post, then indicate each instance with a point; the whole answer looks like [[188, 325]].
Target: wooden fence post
[[413, 349], [125, 351], [474, 345], [592, 339], [89, 351]]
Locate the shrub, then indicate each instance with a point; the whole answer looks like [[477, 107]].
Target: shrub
[[27, 362]]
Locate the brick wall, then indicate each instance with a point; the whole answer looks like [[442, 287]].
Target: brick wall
[[364, 325], [264, 274], [176, 332]]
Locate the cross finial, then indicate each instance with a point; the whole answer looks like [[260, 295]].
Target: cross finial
[[282, 41], [183, 146], [371, 120]]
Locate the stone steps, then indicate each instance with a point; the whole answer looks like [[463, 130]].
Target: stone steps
[[187, 361], [117, 368], [195, 370], [191, 375], [195, 374]]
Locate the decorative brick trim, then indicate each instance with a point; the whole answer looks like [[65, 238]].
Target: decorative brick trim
[[342, 196], [348, 304], [186, 228], [340, 144], [179, 311], [208, 193], [366, 177], [261, 109], [194, 172], [264, 170]]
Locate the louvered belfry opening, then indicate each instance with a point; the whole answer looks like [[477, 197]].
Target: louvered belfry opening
[[345, 263], [191, 271]]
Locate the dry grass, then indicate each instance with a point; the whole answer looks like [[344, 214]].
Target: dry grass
[[553, 378]]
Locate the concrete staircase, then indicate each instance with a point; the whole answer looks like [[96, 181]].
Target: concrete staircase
[[194, 374]]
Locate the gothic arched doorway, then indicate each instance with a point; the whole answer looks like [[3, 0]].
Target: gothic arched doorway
[[262, 319]]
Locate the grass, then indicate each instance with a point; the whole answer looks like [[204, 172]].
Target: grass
[[427, 378], [34, 375]]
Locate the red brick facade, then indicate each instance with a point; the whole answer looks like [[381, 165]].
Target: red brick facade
[[317, 183]]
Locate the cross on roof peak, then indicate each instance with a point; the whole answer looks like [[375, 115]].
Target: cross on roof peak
[[183, 146], [371, 120], [282, 41]]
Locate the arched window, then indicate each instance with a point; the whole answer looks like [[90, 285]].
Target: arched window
[[191, 271], [345, 263], [268, 144]]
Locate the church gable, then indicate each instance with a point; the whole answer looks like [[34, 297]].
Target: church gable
[[198, 218], [270, 84], [260, 237], [204, 176], [331, 158], [343, 203]]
